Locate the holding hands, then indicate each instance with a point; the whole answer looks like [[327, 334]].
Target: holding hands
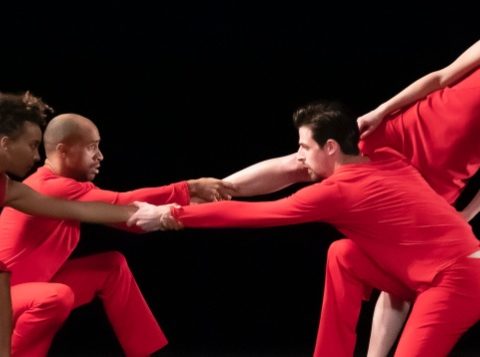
[[152, 218], [208, 189]]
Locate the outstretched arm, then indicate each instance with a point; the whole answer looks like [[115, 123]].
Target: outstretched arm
[[23, 198], [467, 61], [204, 188], [5, 313], [318, 202], [268, 176]]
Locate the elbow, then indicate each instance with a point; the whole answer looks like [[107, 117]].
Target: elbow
[[438, 79]]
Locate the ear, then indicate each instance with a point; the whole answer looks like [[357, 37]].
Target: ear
[[4, 142], [331, 147], [61, 149]]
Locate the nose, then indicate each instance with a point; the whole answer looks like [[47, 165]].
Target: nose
[[36, 155], [300, 154], [99, 155]]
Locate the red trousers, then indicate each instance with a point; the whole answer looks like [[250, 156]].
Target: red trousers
[[39, 309], [441, 313]]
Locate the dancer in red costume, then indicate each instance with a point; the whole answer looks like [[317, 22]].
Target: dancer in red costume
[[435, 124], [21, 119], [403, 237], [46, 285]]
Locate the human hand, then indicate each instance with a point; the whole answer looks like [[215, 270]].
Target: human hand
[[151, 218], [208, 189], [369, 122]]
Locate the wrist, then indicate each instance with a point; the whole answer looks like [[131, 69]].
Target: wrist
[[383, 110], [174, 211], [192, 187]]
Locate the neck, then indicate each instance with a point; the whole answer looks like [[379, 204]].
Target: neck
[[53, 166], [351, 159]]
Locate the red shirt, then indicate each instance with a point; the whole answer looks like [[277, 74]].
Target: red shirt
[[34, 248], [440, 135], [384, 205]]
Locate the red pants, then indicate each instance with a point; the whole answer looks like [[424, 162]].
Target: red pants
[[440, 314], [39, 309]]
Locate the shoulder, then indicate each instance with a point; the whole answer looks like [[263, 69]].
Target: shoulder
[[48, 183]]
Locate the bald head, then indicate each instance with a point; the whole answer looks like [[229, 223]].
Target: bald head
[[72, 145], [67, 129]]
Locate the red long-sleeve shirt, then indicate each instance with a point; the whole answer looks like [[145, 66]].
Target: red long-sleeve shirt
[[34, 248], [440, 135], [384, 205]]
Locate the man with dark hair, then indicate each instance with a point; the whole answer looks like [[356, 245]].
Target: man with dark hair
[[329, 120], [37, 249], [21, 119], [403, 238], [434, 123]]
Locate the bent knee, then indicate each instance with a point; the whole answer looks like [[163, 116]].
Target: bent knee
[[58, 298], [344, 252], [342, 248], [115, 259]]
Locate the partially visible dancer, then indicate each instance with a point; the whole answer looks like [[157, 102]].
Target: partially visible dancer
[[22, 117], [46, 284], [442, 143]]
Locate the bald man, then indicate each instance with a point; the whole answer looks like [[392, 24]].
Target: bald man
[[36, 250]]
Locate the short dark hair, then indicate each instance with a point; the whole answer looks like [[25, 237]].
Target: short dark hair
[[15, 109], [330, 120]]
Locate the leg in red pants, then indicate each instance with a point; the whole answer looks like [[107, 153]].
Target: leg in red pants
[[39, 309], [350, 276], [440, 314], [443, 312], [108, 276]]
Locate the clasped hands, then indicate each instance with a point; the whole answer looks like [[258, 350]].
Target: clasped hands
[[209, 189], [152, 218]]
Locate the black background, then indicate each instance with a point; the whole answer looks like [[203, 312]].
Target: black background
[[188, 89]]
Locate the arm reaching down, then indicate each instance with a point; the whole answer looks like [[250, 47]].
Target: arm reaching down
[[472, 208]]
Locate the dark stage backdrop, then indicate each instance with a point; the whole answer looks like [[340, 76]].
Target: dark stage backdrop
[[188, 89]]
